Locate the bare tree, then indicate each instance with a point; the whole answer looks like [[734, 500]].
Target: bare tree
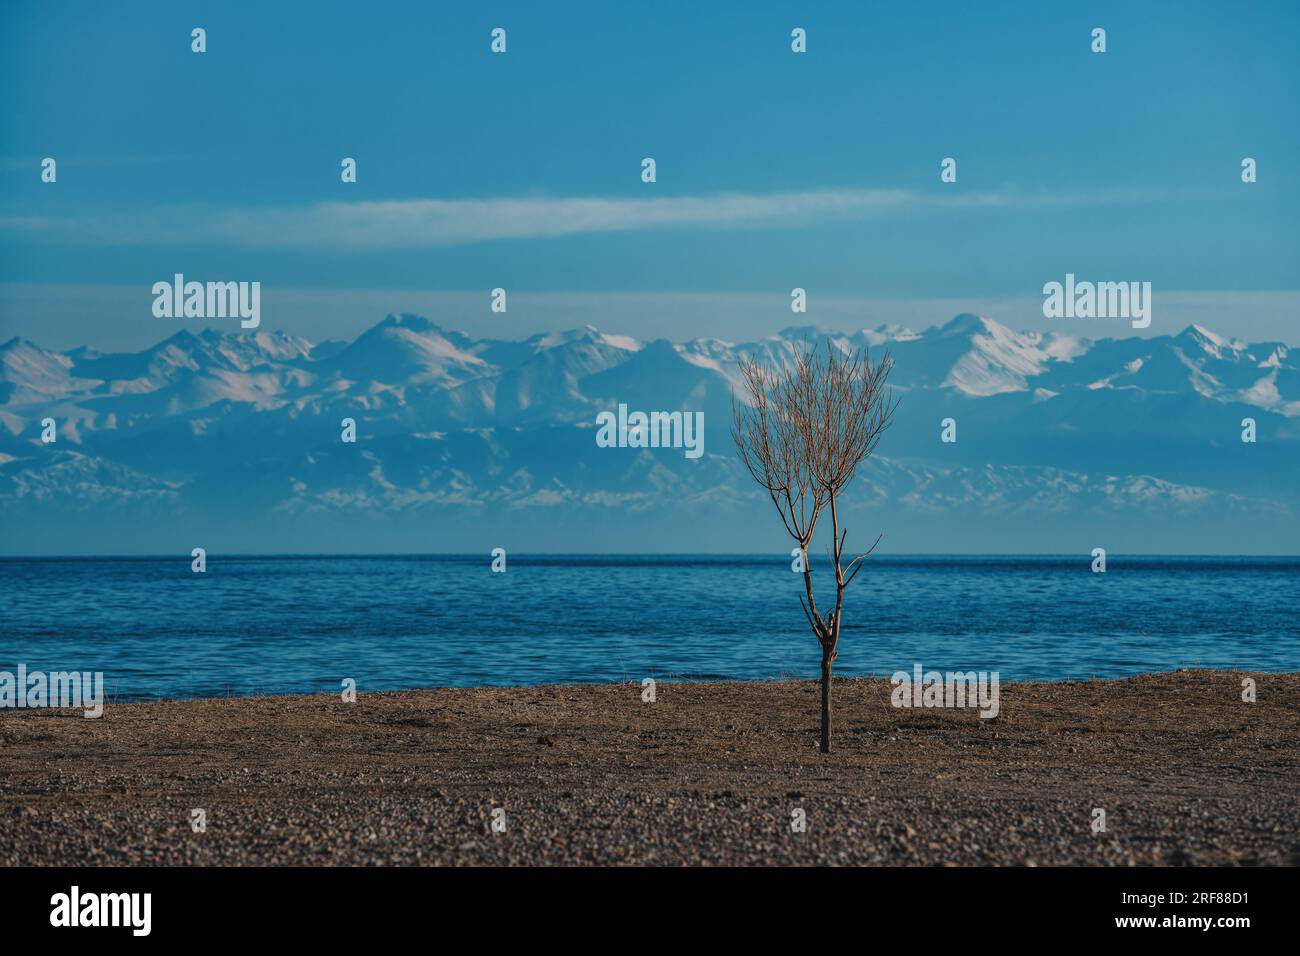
[[802, 430]]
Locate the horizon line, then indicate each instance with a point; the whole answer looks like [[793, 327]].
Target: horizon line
[[775, 557]]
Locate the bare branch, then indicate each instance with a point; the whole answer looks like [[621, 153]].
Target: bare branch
[[855, 565]]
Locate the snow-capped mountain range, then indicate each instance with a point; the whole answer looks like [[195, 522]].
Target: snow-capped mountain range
[[225, 430]]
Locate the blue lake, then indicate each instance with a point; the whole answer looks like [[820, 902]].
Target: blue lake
[[302, 624]]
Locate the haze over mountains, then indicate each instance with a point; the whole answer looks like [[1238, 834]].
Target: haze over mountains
[[231, 440]]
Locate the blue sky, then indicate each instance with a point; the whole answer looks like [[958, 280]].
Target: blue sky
[[523, 170]]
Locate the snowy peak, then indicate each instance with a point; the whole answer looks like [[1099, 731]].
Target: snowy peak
[[973, 355], [406, 349], [966, 323], [31, 373], [1201, 339], [588, 334], [999, 360]]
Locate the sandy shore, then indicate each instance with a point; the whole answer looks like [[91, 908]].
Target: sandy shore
[[710, 773]]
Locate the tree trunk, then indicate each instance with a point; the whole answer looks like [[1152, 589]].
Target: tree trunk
[[827, 663]]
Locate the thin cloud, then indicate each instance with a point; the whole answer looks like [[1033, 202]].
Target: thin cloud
[[415, 223]]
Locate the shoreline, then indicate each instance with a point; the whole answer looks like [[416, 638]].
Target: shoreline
[[710, 773], [119, 699]]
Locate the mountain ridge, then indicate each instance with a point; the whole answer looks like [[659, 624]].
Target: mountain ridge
[[1050, 425]]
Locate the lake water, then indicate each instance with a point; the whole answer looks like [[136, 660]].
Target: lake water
[[302, 624]]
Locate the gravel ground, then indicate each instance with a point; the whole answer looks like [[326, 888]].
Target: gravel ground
[[708, 774]]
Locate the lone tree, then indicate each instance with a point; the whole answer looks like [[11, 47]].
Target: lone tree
[[802, 431]]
